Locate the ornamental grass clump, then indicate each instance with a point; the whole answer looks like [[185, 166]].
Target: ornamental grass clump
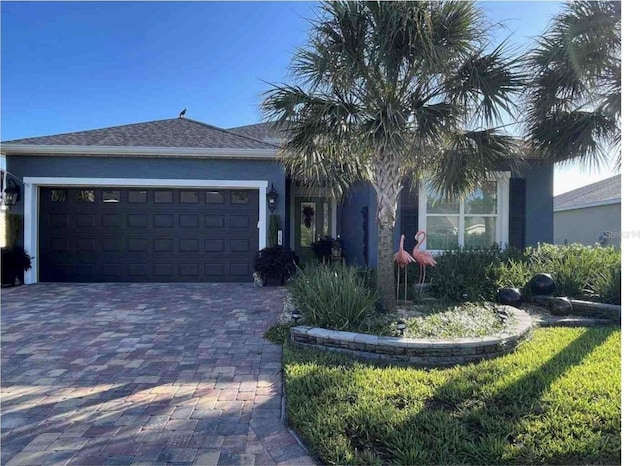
[[332, 296]]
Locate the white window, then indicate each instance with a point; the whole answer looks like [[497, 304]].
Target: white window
[[479, 219]]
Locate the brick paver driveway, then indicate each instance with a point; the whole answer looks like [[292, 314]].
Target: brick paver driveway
[[142, 374]]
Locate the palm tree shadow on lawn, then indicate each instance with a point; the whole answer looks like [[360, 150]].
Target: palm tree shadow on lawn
[[481, 414]]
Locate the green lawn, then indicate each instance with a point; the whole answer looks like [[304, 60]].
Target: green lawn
[[556, 400]]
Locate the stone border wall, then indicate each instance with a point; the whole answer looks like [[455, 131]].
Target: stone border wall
[[596, 310], [415, 351], [590, 309]]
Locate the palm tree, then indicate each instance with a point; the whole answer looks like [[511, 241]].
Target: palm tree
[[385, 92], [575, 94]]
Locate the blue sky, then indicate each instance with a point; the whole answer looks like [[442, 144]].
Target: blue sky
[[72, 66]]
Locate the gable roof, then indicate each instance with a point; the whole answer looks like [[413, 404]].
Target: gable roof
[[174, 133], [262, 131], [600, 193]]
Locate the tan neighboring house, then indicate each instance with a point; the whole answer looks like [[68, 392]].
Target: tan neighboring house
[[589, 215]]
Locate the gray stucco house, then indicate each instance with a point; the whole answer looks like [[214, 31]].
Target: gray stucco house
[[590, 214], [180, 200]]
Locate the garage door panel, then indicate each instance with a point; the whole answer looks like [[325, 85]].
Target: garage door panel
[[137, 221], [188, 221], [239, 221], [214, 245], [112, 221], [239, 245], [112, 272], [239, 269], [85, 244], [59, 220], [163, 220], [163, 270], [214, 270], [189, 245], [214, 221], [163, 245], [188, 269], [137, 245], [59, 245], [111, 244], [85, 221], [145, 235], [138, 270]]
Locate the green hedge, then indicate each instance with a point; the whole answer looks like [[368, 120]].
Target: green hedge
[[580, 272]]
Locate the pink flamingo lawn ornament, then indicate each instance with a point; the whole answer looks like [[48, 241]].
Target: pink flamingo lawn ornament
[[423, 258], [402, 258]]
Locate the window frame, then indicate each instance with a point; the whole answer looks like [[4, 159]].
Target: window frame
[[502, 211]]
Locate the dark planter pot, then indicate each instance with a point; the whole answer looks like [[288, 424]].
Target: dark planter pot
[[510, 297], [542, 284]]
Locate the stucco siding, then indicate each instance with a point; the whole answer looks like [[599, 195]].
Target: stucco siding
[[588, 225]]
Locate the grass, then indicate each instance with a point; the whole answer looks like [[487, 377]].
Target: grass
[[556, 400]]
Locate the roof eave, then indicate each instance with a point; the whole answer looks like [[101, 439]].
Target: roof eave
[[138, 151]]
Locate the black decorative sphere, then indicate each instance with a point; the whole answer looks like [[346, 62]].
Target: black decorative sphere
[[510, 297], [560, 306], [542, 284]]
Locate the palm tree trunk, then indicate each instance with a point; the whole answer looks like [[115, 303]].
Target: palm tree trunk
[[385, 278], [388, 184]]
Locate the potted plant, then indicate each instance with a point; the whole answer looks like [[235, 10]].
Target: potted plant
[[327, 249], [277, 262], [15, 261]]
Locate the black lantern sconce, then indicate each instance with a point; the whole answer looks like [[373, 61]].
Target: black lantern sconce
[[11, 194], [272, 199], [296, 316]]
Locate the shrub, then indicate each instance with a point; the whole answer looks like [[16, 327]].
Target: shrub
[[332, 296], [276, 262], [15, 261], [470, 272], [606, 286], [578, 270]]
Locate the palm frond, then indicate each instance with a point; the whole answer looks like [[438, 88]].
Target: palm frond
[[471, 157]]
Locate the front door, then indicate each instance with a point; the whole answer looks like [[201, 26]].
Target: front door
[[312, 222]]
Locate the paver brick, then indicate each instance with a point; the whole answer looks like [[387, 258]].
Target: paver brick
[[142, 374]]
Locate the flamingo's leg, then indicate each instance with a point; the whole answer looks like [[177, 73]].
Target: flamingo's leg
[[398, 286], [405, 286]]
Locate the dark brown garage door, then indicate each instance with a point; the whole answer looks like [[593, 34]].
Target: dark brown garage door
[[147, 235]]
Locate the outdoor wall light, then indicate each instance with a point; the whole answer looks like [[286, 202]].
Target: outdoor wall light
[[296, 316], [401, 326], [272, 198], [11, 194]]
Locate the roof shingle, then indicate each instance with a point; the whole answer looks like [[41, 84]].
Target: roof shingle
[[605, 190], [175, 132], [262, 131]]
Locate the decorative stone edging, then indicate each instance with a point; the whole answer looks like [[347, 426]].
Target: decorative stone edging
[[417, 351], [589, 309], [596, 310]]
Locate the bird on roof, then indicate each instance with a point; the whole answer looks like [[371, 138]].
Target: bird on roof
[[182, 113]]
